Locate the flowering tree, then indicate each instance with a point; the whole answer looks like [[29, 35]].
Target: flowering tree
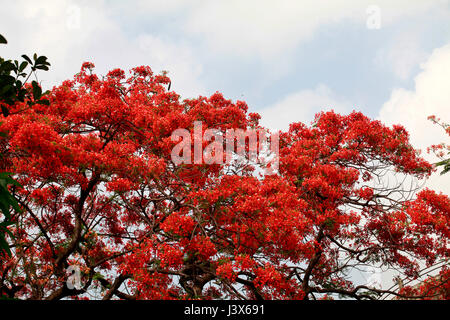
[[441, 150], [102, 194], [14, 88]]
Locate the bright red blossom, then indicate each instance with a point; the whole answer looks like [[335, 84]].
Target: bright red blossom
[[100, 191]]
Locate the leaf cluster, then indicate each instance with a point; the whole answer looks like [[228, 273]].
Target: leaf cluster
[[14, 75]]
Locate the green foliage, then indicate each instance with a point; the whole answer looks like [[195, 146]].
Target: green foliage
[[13, 77], [440, 149], [446, 164], [6, 202]]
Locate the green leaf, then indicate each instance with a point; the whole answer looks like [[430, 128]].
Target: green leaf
[[41, 60], [98, 276], [44, 102], [7, 66], [6, 78], [5, 111], [37, 91], [22, 66], [5, 224], [443, 162], [7, 176], [446, 169], [42, 67], [4, 245], [5, 89], [2, 39], [27, 58]]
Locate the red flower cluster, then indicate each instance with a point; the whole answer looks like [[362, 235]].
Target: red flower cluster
[[100, 190]]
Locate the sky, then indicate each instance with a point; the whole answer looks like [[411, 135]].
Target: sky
[[286, 59]]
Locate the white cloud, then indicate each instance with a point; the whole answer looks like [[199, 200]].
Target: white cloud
[[261, 30], [166, 6], [402, 56], [267, 28], [301, 106], [176, 58], [70, 33], [431, 96]]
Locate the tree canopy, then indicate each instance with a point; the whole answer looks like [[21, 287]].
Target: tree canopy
[[100, 192]]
